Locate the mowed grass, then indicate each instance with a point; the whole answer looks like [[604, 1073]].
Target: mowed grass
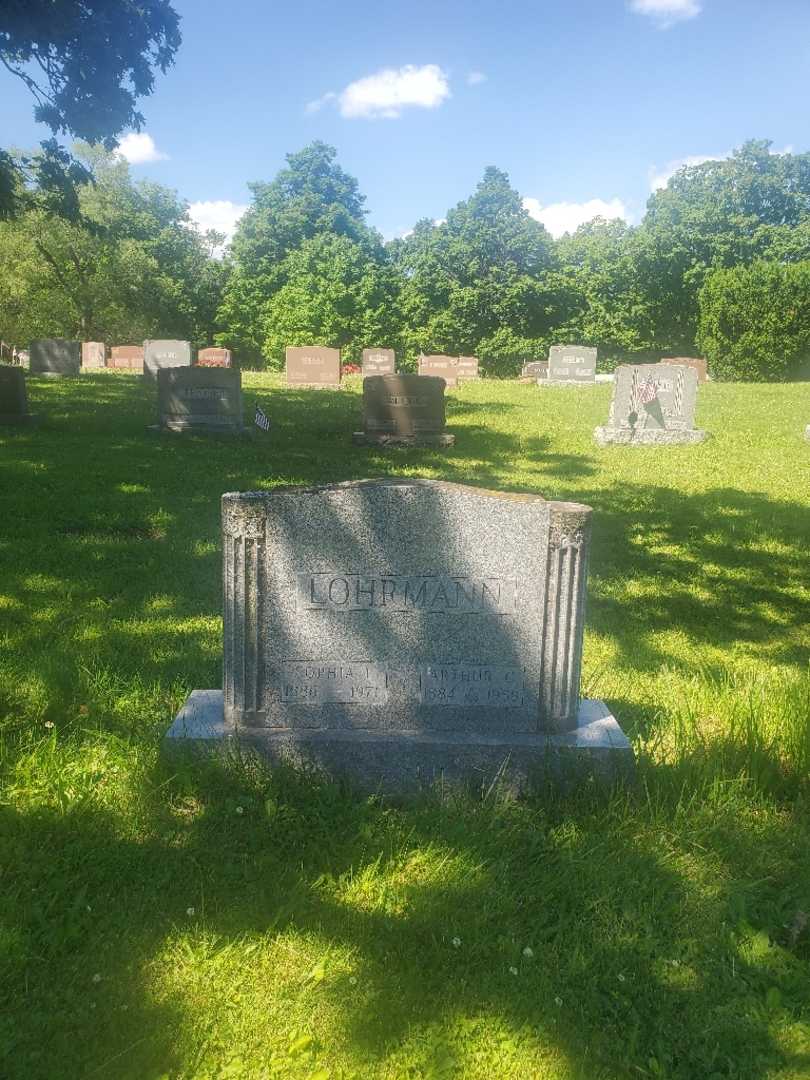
[[212, 920]]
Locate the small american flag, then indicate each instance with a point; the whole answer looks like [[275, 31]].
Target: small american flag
[[262, 419], [647, 392]]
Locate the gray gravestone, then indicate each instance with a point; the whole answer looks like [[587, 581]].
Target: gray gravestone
[[94, 354], [158, 355], [533, 370], [202, 399], [214, 358], [467, 367], [55, 356], [379, 362], [653, 404], [442, 367], [404, 410], [400, 631], [13, 397], [574, 364], [126, 357], [313, 366]]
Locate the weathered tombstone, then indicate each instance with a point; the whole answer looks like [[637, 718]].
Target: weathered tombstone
[[126, 357], [379, 362], [443, 367], [533, 370], [401, 631], [94, 354], [653, 404], [403, 410], [164, 354], [206, 400], [697, 364], [467, 367], [55, 357], [313, 366], [573, 364], [214, 358], [14, 397]]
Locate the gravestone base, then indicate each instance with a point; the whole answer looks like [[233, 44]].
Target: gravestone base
[[184, 427], [362, 438], [607, 436], [405, 762], [564, 382]]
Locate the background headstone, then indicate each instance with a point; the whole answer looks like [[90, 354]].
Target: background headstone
[[697, 364], [440, 366], [94, 354], [165, 354], [55, 356], [379, 362], [401, 630], [200, 399], [467, 367], [13, 396], [403, 409], [653, 404], [533, 370], [571, 363], [214, 358], [312, 365], [127, 357]]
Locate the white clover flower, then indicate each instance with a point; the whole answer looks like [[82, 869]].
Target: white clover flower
[[456, 942], [620, 977], [352, 980], [513, 970], [528, 952], [49, 724], [97, 978], [558, 1001], [190, 911], [240, 809]]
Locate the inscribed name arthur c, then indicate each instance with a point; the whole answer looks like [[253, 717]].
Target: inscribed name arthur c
[[456, 594]]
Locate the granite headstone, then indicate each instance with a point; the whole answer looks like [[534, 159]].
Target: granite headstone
[[571, 364], [201, 399], [467, 367], [653, 404], [402, 631], [126, 357], [440, 366], [214, 358], [404, 410], [313, 366], [378, 362], [13, 397], [94, 354], [158, 355], [533, 370], [55, 357]]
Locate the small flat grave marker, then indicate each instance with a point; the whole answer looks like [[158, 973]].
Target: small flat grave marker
[[403, 410]]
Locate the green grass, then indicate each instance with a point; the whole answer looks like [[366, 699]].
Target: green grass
[[218, 921]]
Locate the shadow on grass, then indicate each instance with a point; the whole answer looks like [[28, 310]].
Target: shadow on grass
[[641, 962]]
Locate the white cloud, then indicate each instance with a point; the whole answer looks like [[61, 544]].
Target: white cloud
[[219, 214], [475, 77], [659, 178], [386, 93], [666, 13], [139, 148], [563, 217]]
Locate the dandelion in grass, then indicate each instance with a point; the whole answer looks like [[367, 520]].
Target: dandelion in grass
[[528, 952], [456, 942], [513, 970]]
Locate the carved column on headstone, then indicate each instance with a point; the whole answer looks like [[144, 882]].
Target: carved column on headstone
[[564, 617], [243, 576]]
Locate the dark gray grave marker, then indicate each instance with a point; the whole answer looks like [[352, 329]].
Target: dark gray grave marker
[[205, 400], [404, 410], [55, 357]]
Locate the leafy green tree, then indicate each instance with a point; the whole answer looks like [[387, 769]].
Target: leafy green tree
[[476, 274], [755, 321], [86, 62], [311, 197]]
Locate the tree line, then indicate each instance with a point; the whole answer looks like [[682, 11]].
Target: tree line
[[718, 266]]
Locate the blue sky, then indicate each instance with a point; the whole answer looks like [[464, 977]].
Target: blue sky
[[585, 103]]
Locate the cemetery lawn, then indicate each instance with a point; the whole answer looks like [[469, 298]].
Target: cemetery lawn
[[212, 921]]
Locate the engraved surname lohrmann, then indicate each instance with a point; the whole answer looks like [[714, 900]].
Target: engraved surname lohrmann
[[305, 682], [472, 685], [203, 393], [449, 594]]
